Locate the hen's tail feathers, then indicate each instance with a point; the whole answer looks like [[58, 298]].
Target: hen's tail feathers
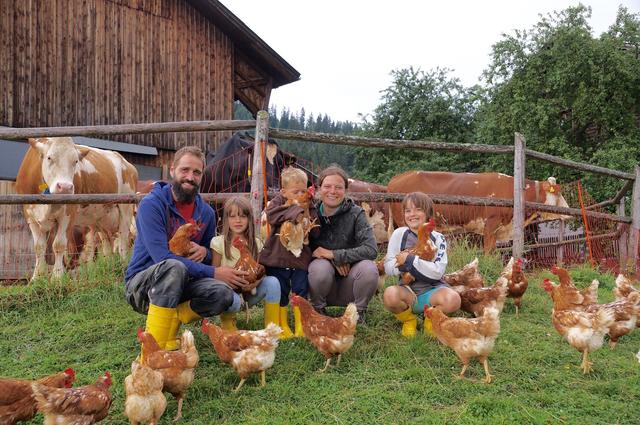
[[351, 314], [273, 330], [188, 346], [490, 322], [41, 392]]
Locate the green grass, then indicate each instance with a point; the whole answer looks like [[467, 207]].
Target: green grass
[[84, 322]]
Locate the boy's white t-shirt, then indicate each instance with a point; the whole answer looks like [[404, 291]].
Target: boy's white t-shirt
[[217, 244]]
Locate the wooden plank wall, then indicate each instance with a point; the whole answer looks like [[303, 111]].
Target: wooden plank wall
[[83, 62], [16, 244]]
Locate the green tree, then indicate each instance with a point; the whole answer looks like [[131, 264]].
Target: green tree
[[418, 105], [570, 94]]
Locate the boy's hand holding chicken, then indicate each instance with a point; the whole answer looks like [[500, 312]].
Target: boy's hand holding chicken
[[423, 249]]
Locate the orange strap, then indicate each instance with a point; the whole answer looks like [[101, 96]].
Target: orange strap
[[585, 222]]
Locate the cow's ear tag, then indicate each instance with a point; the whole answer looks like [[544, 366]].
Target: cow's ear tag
[[551, 189], [43, 188]]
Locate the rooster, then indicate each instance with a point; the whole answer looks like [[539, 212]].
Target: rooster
[[74, 406], [467, 277], [469, 338], [583, 330], [424, 249], [177, 367], [247, 263], [145, 402], [247, 352], [475, 300], [16, 397], [330, 335], [518, 282], [180, 242]]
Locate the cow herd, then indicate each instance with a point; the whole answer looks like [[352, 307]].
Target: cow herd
[[58, 166]]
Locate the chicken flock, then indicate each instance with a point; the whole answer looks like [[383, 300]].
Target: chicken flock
[[576, 315]]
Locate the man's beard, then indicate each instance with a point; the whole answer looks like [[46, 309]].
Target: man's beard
[[183, 195]]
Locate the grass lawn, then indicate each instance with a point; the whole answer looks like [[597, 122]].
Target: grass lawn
[[84, 322]]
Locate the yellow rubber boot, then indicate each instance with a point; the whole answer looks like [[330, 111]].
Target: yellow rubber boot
[[297, 318], [228, 321], [286, 330], [428, 327], [173, 343], [409, 323], [186, 314], [160, 322], [271, 313]]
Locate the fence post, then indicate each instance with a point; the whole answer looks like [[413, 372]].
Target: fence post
[[561, 239], [518, 195], [623, 239], [257, 175], [635, 224]]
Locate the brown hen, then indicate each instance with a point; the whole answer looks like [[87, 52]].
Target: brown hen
[[145, 402], [467, 277], [469, 338], [330, 335], [475, 300], [248, 352], [424, 249], [74, 406], [180, 242], [16, 396], [177, 367]]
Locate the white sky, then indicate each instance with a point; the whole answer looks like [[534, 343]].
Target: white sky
[[345, 50]]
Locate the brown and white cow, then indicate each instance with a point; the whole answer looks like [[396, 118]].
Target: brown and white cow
[[494, 223], [377, 211], [58, 166]]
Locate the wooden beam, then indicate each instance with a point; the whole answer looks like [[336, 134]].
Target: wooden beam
[[336, 139], [579, 165], [11, 133]]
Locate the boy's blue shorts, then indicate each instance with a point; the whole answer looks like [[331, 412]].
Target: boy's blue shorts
[[425, 299]]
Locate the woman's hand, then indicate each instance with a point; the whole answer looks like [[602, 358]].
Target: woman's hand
[[343, 269], [321, 252]]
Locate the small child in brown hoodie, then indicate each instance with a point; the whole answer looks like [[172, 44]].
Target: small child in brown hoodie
[[289, 269]]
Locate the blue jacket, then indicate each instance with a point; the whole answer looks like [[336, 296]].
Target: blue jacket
[[157, 220]]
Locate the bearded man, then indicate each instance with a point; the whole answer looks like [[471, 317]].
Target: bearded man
[[168, 288]]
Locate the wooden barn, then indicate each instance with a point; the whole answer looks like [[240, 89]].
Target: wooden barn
[[94, 62]]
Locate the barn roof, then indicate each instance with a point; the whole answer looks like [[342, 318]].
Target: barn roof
[[247, 41]]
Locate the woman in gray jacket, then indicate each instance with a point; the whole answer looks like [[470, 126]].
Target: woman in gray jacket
[[343, 270]]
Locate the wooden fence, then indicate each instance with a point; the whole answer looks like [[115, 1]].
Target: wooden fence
[[257, 194]]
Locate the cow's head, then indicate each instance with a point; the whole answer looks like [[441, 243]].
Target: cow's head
[[60, 162], [553, 196]]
